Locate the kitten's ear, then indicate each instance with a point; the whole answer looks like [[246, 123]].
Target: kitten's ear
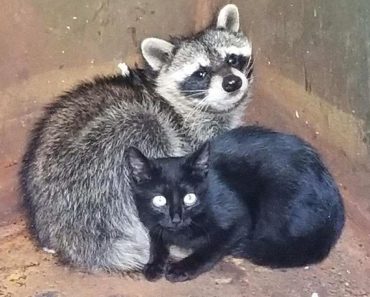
[[199, 160], [228, 18], [139, 166], [156, 52]]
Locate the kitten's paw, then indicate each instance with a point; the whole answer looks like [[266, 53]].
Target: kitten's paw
[[153, 271], [178, 272]]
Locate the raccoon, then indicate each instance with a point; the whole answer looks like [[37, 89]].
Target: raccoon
[[74, 176]]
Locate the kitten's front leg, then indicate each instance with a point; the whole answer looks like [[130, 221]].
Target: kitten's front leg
[[200, 261], [154, 269]]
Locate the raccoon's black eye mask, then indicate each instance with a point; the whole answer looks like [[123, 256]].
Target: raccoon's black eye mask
[[202, 73], [237, 61], [197, 84]]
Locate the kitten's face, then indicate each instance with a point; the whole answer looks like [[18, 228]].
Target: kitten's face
[[168, 204], [169, 193]]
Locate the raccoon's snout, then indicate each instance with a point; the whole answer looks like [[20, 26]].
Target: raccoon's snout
[[231, 83]]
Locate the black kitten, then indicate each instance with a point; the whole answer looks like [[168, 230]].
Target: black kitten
[[250, 193]]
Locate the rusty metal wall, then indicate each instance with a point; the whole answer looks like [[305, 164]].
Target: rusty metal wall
[[313, 60]]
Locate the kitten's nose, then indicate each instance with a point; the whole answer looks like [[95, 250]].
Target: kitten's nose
[[176, 219], [231, 83]]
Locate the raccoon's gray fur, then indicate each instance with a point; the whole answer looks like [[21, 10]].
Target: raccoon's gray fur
[[74, 176]]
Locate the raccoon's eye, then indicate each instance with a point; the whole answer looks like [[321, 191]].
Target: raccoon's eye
[[159, 201], [232, 60], [190, 199], [200, 74], [237, 61]]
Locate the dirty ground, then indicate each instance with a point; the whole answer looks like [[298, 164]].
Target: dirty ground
[[26, 271]]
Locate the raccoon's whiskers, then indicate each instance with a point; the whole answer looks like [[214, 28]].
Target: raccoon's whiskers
[[198, 107], [250, 62], [190, 93], [193, 94], [194, 91], [249, 68]]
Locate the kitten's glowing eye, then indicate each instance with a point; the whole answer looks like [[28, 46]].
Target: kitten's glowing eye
[[190, 199], [159, 201]]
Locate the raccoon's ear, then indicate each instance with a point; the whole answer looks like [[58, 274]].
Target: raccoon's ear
[[199, 160], [139, 166], [156, 51], [228, 18]]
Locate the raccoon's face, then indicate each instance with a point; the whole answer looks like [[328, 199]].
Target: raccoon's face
[[211, 71]]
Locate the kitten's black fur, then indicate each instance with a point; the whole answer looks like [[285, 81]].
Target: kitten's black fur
[[262, 195]]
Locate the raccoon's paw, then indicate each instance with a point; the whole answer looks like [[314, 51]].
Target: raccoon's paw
[[153, 271], [49, 251]]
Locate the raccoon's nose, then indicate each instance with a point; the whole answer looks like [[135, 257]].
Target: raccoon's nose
[[231, 83]]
